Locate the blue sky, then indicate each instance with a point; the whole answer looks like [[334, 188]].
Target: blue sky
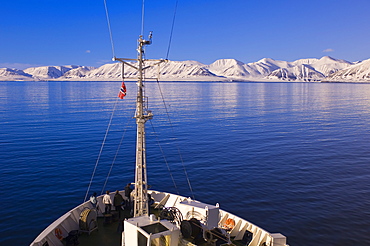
[[54, 32]]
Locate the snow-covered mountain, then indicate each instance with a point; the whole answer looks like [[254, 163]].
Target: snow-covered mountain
[[48, 72], [182, 70], [326, 65], [301, 72], [231, 68], [266, 69], [78, 72], [13, 74], [309, 69], [171, 70], [359, 72]]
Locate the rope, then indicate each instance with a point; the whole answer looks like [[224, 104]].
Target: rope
[[173, 24], [109, 27], [123, 71], [165, 159], [101, 149], [115, 157], [119, 146], [142, 17], [172, 214], [214, 234], [178, 149]]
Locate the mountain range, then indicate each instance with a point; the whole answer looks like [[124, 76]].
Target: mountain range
[[326, 69]]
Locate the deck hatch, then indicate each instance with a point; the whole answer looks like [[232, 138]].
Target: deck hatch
[[154, 228]]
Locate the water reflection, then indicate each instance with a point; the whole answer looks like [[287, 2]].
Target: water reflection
[[291, 155]]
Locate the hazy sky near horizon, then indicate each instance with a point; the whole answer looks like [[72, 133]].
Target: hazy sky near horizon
[[71, 32]]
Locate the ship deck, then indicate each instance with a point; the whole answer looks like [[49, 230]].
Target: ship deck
[[109, 232], [110, 235]]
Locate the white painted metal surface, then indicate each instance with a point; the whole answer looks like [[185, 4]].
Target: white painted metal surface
[[70, 221]]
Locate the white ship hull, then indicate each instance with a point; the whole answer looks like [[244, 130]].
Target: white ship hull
[[55, 233]]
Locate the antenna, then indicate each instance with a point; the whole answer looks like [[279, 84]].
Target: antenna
[[150, 36]]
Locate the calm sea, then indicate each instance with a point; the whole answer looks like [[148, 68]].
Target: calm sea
[[292, 158]]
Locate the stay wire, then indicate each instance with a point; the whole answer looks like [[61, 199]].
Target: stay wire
[[164, 157], [101, 149], [178, 149], [119, 146], [142, 17], [172, 27], [109, 27], [115, 156]]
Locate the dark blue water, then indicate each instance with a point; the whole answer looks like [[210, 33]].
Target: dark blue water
[[291, 158]]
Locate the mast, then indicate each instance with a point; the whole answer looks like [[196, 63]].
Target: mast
[[141, 188], [142, 115]]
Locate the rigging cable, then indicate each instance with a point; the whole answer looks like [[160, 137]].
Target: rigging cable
[[115, 156], [178, 149], [173, 24], [114, 108], [109, 28], [165, 159], [142, 17], [120, 144], [164, 103], [101, 149]]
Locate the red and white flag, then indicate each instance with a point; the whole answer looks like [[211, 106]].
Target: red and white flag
[[122, 91]]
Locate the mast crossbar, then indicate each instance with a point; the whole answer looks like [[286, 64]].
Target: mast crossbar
[[123, 60]]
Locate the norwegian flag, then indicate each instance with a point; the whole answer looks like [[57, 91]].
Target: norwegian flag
[[122, 91]]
